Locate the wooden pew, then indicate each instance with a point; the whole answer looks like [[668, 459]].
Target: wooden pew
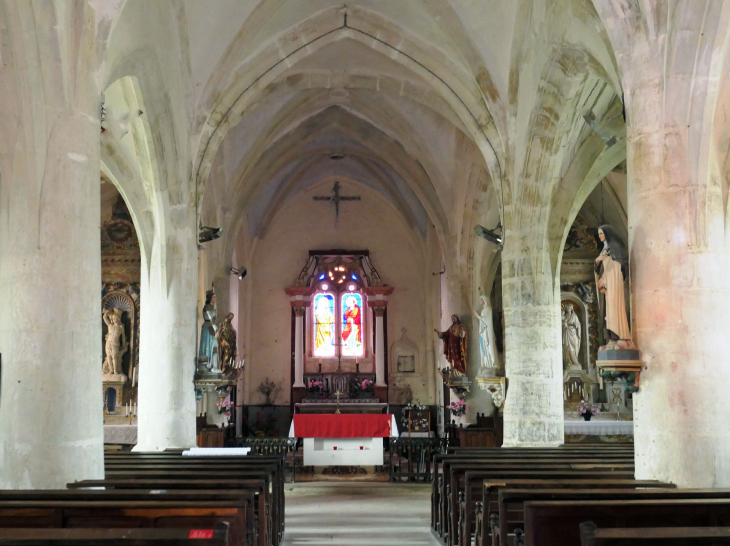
[[439, 483], [172, 466], [590, 535], [487, 511], [454, 472], [146, 511], [480, 513], [556, 522], [218, 536]]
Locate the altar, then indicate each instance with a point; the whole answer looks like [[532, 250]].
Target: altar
[[349, 406], [343, 440]]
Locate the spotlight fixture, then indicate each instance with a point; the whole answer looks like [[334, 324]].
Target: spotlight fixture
[[607, 138], [489, 234], [207, 234], [241, 272]]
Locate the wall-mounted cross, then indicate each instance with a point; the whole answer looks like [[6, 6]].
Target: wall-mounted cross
[[336, 198]]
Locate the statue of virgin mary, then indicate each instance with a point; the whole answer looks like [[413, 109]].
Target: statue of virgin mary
[[610, 269]]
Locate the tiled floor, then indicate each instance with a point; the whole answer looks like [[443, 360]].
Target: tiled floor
[[365, 514]]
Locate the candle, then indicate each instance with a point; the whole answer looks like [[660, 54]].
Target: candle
[[357, 360], [320, 360]]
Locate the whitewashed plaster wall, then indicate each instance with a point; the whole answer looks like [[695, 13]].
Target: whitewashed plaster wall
[[275, 261]]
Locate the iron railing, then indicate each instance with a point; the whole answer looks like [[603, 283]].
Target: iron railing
[[269, 446], [411, 459]]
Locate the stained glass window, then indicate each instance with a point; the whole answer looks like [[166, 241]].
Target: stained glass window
[[352, 318], [324, 325]]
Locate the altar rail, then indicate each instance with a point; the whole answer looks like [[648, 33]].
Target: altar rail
[[411, 459], [269, 446]]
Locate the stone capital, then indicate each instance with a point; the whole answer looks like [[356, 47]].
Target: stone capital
[[299, 310], [379, 310], [299, 296], [378, 296]]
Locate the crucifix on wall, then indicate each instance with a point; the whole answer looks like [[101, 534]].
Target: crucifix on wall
[[336, 198]]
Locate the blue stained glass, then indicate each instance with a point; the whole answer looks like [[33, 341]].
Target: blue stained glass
[[354, 277], [321, 276]]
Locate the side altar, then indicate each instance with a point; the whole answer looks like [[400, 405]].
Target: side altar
[[343, 440]]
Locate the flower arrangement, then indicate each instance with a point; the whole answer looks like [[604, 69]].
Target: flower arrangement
[[418, 408], [366, 384], [586, 410], [457, 408], [315, 385], [224, 407], [265, 426], [269, 389]]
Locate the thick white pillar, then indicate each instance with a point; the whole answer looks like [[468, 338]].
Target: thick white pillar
[[299, 347], [533, 410], [168, 334], [379, 347], [51, 412]]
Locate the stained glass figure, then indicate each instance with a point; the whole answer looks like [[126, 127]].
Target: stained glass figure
[[352, 325], [324, 325]]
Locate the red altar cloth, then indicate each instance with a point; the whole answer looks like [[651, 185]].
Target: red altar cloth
[[342, 426]]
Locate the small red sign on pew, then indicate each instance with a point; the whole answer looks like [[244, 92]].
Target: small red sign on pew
[[201, 533]]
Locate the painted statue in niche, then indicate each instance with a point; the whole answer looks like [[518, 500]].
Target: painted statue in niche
[[116, 343], [486, 339], [209, 352], [571, 338], [324, 325], [455, 343], [226, 336], [610, 269], [351, 325]]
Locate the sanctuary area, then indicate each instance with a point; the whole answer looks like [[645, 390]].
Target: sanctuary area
[[377, 272]]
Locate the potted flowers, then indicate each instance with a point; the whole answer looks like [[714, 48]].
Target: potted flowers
[[586, 410], [457, 408], [224, 407], [365, 388], [315, 386]]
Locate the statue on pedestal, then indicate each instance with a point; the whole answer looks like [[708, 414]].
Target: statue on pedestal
[[571, 338], [208, 354], [226, 336], [116, 343], [455, 341], [489, 365], [610, 269]]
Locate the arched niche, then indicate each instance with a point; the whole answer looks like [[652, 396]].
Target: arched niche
[[121, 297], [581, 310]]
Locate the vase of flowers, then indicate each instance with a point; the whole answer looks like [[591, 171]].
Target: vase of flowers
[[315, 387], [224, 408], [457, 408], [586, 410]]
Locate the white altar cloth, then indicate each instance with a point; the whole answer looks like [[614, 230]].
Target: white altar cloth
[[599, 427], [120, 434], [216, 451], [344, 451]]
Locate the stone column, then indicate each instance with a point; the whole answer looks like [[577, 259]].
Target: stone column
[[533, 410], [299, 347], [380, 380], [168, 324], [51, 415], [673, 74], [300, 298], [680, 288]]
